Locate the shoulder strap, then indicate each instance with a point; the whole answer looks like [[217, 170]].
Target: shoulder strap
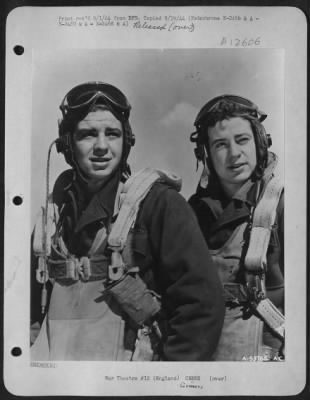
[[262, 224], [256, 257], [42, 233], [134, 191]]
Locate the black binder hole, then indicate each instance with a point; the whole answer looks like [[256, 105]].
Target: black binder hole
[[19, 50], [16, 351], [17, 200]]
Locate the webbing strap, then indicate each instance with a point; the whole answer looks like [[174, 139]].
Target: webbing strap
[[136, 188], [272, 316], [41, 245], [256, 257], [263, 220], [74, 268]]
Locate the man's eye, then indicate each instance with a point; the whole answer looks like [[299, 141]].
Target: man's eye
[[85, 134], [220, 145], [243, 140], [114, 133]]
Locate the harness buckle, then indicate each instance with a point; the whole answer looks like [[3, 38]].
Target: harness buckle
[[78, 267], [256, 292], [72, 268], [117, 268], [42, 275], [84, 268]]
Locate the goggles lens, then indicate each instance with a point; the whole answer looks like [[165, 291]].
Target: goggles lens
[[243, 104], [85, 94]]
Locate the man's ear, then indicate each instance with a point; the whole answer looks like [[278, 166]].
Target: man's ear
[[199, 153]]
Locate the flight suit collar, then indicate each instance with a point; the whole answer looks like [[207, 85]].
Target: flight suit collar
[[227, 210], [247, 193], [100, 206]]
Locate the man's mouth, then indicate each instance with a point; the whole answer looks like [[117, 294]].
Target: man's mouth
[[100, 159], [234, 167]]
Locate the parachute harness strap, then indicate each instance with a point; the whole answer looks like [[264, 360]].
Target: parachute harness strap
[[256, 257], [134, 191]]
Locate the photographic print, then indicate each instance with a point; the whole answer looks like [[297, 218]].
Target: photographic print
[[155, 184]]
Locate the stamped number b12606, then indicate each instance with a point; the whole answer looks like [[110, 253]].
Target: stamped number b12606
[[238, 42]]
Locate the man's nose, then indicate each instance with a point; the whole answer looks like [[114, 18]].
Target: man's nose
[[234, 149], [101, 143]]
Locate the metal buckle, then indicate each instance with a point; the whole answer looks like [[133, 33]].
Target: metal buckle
[[84, 268], [76, 268], [42, 275], [256, 292], [72, 269], [117, 268]]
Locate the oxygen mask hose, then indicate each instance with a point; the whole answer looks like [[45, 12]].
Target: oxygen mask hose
[[43, 260]]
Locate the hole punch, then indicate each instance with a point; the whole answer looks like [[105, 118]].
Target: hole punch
[[19, 50], [17, 200], [16, 351]]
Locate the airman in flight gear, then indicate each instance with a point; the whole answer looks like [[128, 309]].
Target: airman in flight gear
[[121, 270], [240, 208]]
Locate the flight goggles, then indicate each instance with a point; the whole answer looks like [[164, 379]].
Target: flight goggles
[[86, 94], [244, 106]]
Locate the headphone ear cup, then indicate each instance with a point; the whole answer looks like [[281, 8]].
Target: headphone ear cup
[[60, 146], [265, 137], [199, 152], [63, 144], [132, 140], [269, 140]]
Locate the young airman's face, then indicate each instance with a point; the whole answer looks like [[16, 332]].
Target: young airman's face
[[98, 145], [233, 152]]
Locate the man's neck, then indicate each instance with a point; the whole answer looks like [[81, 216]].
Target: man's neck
[[231, 189], [92, 187]]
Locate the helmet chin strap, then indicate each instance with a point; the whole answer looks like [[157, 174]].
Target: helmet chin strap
[[78, 172], [204, 178]]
